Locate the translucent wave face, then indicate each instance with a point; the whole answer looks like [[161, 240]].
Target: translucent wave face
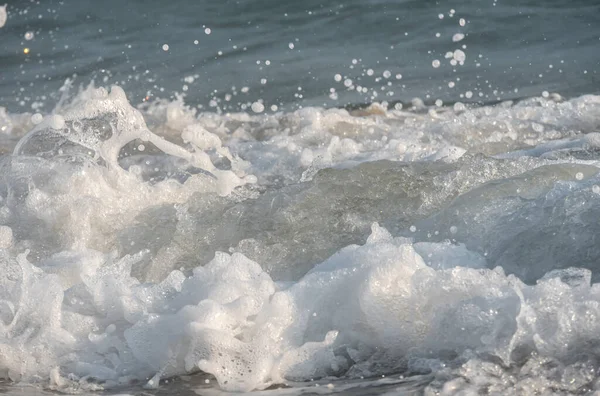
[[138, 244]]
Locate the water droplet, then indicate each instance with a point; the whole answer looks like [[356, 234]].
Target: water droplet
[[37, 118], [459, 55], [458, 106], [258, 107], [458, 37]]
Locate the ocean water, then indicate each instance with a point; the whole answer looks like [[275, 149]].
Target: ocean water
[[297, 198]]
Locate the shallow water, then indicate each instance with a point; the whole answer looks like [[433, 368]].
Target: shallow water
[[159, 238]]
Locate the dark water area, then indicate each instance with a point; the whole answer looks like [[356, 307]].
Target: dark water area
[[513, 49]]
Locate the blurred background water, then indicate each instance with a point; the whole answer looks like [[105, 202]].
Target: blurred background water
[[229, 54]]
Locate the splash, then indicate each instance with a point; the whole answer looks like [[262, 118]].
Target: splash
[[140, 244]]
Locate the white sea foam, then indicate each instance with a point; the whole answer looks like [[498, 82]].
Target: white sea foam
[[138, 244]]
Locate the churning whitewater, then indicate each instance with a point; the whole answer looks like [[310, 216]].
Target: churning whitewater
[[143, 243]]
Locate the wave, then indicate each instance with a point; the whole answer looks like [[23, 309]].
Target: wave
[[144, 243]]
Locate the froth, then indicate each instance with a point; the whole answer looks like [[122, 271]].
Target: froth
[[371, 309], [138, 244]]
